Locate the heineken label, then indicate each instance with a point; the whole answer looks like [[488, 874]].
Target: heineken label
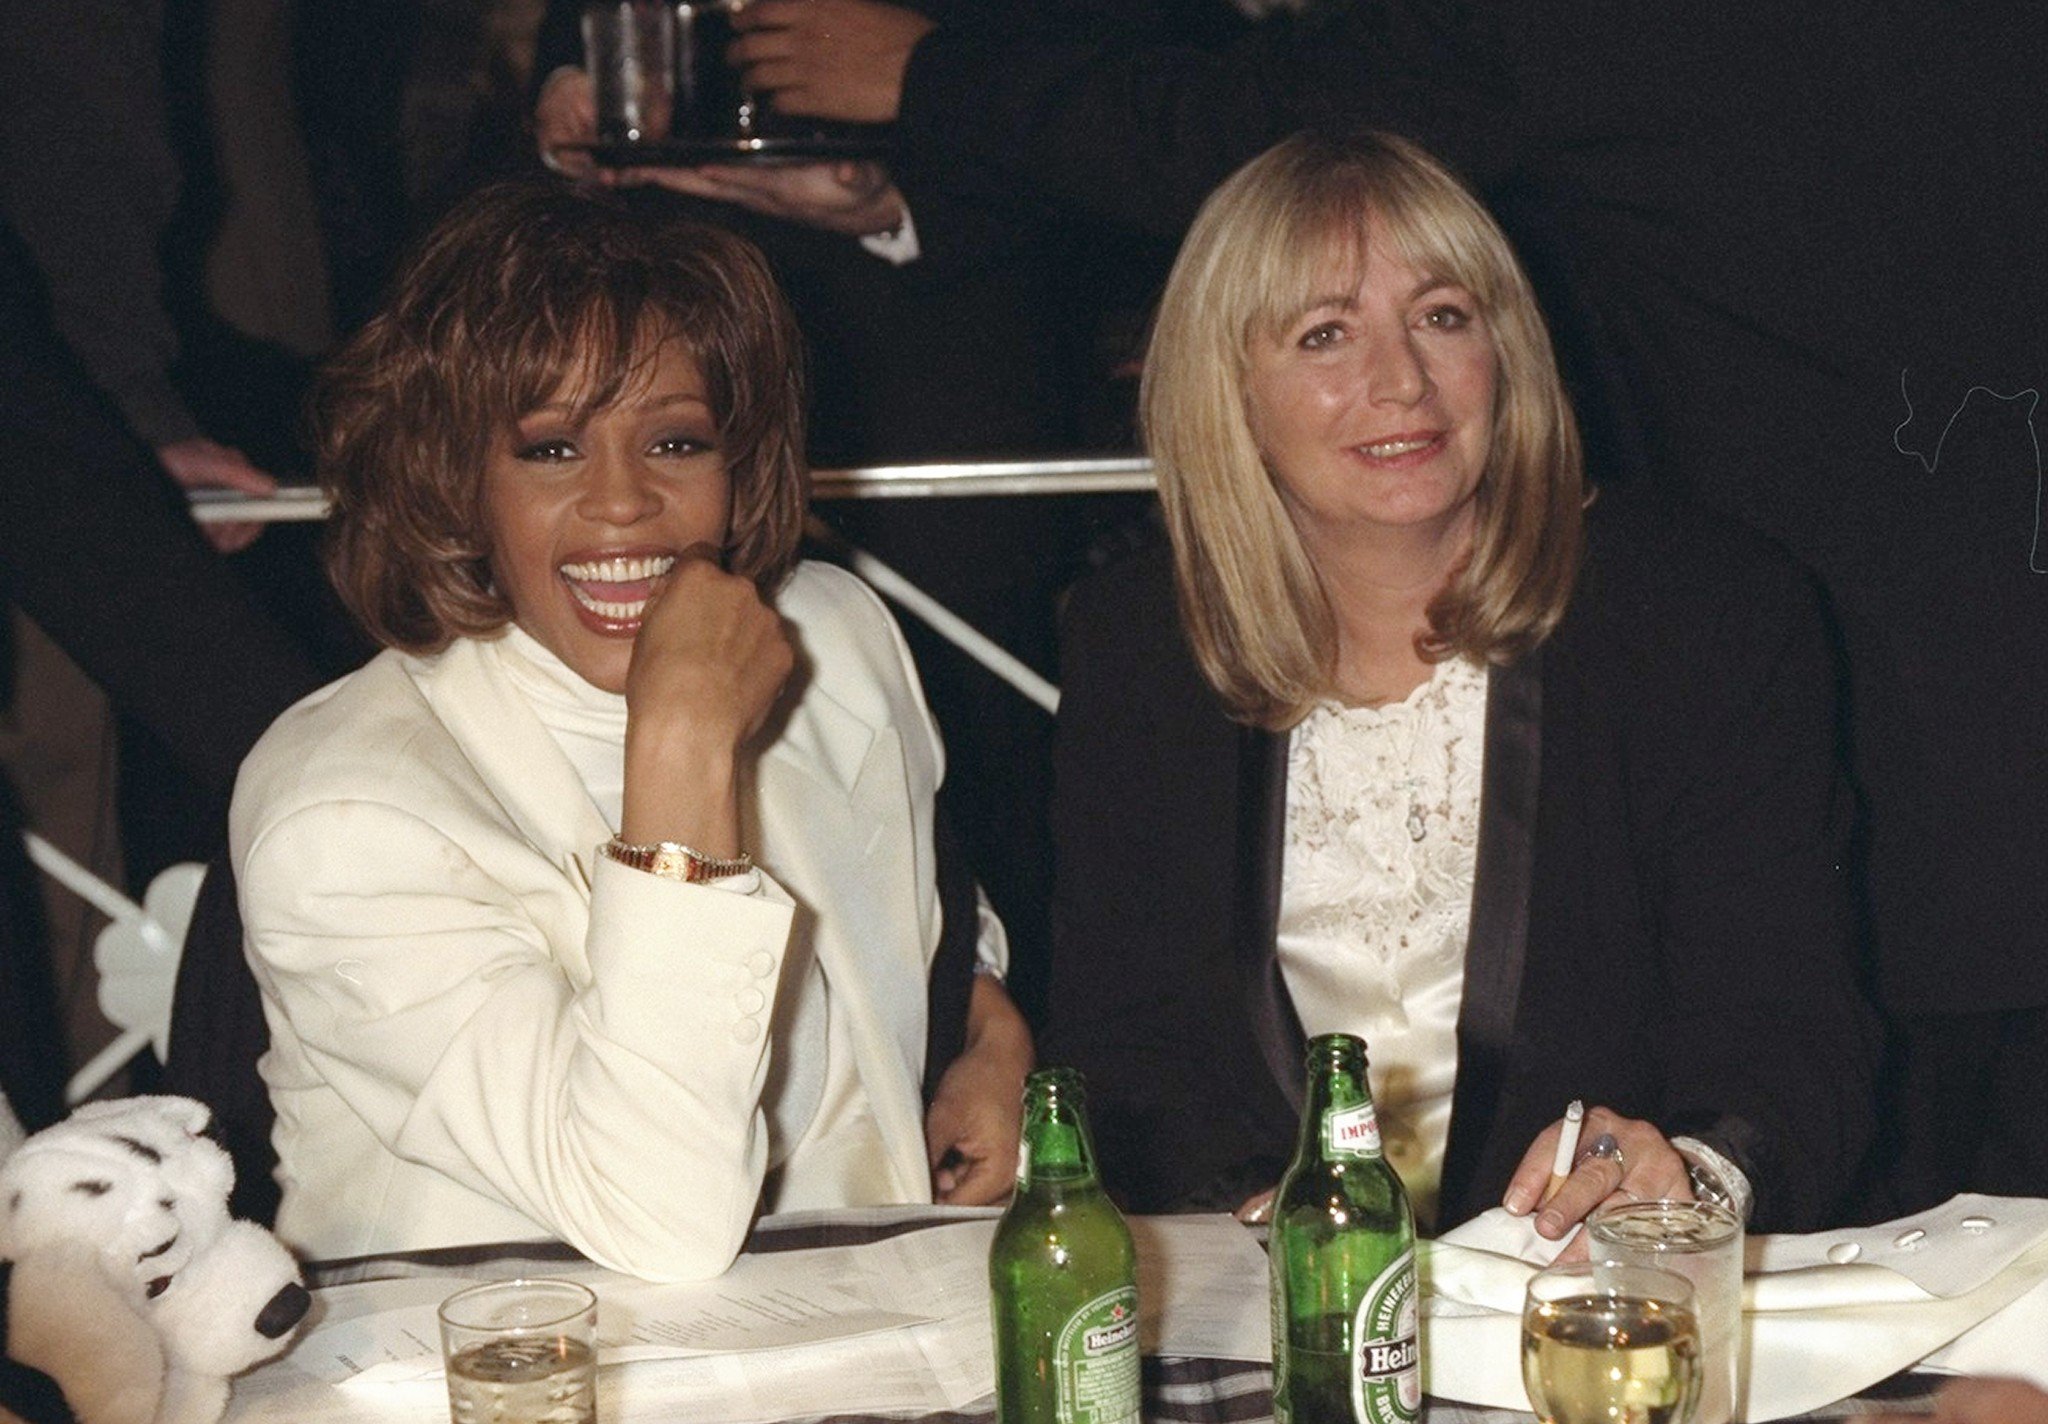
[[1386, 1353], [1096, 1360], [1351, 1132]]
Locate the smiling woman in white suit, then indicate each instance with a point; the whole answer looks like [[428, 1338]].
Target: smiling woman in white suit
[[601, 905]]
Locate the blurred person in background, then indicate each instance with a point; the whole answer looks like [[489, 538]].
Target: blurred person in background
[[97, 547], [184, 275]]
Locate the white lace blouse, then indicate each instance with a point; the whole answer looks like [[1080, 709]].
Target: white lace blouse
[[1382, 842]]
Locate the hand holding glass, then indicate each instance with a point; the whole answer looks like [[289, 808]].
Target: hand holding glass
[[1608, 1344]]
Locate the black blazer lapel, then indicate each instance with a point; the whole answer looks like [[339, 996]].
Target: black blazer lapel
[[1498, 938], [1261, 842]]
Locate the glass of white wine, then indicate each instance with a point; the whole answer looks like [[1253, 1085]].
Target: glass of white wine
[[521, 1352], [1610, 1344]]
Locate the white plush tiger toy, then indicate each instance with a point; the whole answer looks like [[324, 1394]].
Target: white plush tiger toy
[[131, 1296]]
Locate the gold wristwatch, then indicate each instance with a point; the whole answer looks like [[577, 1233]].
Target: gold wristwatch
[[672, 860]]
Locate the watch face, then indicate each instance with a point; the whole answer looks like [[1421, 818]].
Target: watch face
[[675, 862]]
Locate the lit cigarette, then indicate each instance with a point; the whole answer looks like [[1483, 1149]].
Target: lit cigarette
[[1567, 1149]]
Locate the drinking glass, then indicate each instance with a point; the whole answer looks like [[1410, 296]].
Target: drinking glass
[[1610, 1344], [521, 1352], [629, 50], [1701, 1241], [711, 103]]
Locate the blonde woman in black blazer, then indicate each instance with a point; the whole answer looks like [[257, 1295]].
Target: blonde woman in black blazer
[[1349, 380]]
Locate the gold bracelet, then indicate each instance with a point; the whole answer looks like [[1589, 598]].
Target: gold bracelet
[[672, 860]]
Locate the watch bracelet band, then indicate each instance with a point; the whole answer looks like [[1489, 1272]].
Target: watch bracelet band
[[672, 860], [1714, 1178]]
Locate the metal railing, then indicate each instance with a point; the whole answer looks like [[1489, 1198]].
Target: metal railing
[[1120, 474], [948, 480]]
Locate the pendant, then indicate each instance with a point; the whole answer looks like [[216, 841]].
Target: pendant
[[1417, 826]]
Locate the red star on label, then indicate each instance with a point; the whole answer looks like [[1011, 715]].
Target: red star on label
[[1116, 1312]]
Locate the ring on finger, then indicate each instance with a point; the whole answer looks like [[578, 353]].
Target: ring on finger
[[1604, 1146]]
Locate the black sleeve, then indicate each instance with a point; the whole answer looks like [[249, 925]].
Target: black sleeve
[[97, 547], [1699, 908], [1772, 1052], [89, 177]]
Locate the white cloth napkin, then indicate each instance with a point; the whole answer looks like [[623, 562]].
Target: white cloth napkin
[[1963, 1287]]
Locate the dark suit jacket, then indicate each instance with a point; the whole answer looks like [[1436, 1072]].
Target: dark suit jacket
[[1661, 922]]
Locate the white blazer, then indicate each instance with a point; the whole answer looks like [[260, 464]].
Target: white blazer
[[482, 1030]]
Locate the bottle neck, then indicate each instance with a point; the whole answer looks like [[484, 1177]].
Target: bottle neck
[[1056, 1143], [1338, 1102]]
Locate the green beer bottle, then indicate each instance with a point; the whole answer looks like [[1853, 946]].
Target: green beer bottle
[[1063, 1275], [1345, 1298]]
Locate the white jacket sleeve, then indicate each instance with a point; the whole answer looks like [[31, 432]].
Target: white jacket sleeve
[[621, 1112]]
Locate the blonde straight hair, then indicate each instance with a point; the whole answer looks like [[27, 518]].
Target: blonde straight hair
[[1256, 612]]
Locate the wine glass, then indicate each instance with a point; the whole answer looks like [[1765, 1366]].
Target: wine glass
[[1610, 1344]]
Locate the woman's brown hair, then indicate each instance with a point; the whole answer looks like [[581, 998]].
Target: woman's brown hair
[[525, 290], [1255, 610]]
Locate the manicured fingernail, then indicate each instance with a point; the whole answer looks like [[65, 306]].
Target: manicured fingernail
[[1517, 1201], [1549, 1224]]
